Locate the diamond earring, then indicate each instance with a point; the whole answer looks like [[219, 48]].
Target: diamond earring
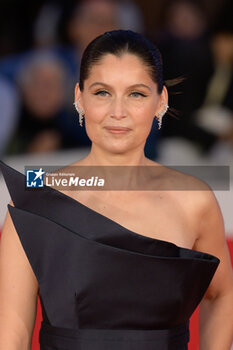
[[161, 114], [80, 112]]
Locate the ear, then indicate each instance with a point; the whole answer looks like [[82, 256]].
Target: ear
[[78, 94], [163, 98], [164, 95]]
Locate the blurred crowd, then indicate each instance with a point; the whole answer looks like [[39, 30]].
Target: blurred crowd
[[37, 82]]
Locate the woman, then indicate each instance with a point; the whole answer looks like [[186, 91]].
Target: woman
[[116, 269]]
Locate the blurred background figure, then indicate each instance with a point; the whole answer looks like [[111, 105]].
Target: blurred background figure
[[66, 27], [79, 24], [9, 107], [43, 124], [215, 115], [205, 60], [183, 41], [41, 83]]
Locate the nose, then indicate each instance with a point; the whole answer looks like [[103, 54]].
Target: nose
[[118, 109]]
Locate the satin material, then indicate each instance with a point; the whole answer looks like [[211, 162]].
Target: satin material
[[101, 285], [98, 339]]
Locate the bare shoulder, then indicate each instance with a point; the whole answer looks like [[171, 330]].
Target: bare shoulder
[[190, 193], [195, 193], [191, 190], [200, 200], [211, 237]]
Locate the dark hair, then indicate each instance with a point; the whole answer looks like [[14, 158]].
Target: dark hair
[[119, 42]]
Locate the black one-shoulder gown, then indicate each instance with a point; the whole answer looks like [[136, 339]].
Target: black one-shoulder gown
[[102, 286]]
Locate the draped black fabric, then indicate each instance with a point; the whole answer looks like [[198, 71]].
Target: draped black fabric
[[101, 285]]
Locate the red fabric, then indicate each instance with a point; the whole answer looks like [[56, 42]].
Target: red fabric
[[194, 334]]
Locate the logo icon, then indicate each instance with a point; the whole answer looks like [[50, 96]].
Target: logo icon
[[35, 178]]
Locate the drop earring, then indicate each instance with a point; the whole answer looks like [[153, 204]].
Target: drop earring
[[80, 112], [161, 114]]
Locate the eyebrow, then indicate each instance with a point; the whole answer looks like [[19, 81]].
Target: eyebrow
[[134, 85]]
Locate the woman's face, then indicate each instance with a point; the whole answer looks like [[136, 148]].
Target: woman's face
[[119, 92]]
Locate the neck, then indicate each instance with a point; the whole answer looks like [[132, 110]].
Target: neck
[[121, 170]]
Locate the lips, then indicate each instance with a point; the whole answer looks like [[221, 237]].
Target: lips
[[120, 128]]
